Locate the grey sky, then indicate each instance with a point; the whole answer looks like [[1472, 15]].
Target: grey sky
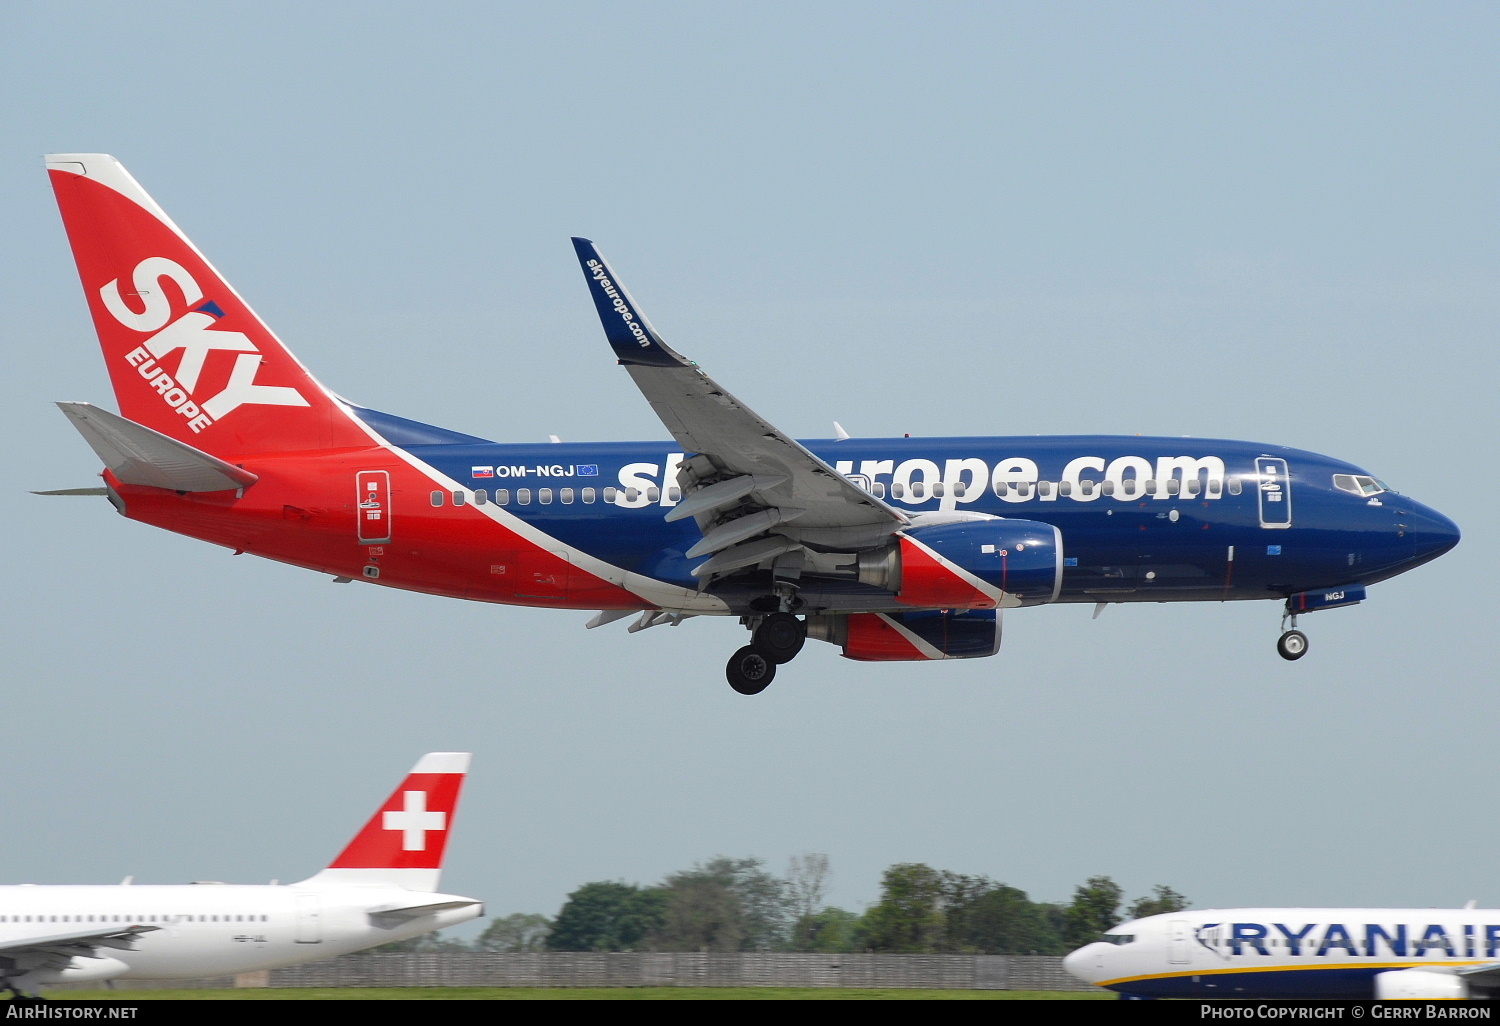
[[1261, 221]]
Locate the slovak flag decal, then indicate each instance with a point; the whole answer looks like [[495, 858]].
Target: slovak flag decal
[[483, 472], [411, 829]]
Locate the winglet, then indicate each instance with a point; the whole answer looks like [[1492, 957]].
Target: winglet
[[630, 334]]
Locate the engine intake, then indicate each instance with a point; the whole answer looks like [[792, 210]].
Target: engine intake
[[1433, 984]]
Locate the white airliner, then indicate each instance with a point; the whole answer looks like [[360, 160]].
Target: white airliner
[[1338, 953], [381, 888]]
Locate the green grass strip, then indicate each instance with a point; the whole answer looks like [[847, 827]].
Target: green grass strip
[[572, 994]]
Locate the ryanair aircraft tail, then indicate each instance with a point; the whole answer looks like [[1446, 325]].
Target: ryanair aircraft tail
[[187, 356]]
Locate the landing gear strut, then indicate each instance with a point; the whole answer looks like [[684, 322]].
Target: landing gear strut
[[1293, 643]]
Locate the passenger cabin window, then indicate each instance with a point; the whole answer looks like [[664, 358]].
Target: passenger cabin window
[[565, 495], [523, 496], [610, 493], [653, 494], [1359, 484], [481, 496], [1044, 488], [437, 498], [1235, 487], [458, 498], [674, 493], [544, 496], [937, 489], [587, 495], [898, 490], [631, 494], [502, 496], [879, 489]]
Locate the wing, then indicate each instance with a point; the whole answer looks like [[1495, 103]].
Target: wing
[[1487, 975], [754, 491], [56, 950]]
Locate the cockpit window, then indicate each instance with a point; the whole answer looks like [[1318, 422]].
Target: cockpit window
[[1359, 484], [1118, 938]]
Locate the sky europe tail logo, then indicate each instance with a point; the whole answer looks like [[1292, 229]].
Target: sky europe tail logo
[[195, 336]]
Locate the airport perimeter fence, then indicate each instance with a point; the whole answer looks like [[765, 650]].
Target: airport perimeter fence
[[652, 969]]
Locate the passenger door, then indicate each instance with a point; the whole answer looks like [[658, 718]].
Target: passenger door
[[373, 506], [1181, 942], [309, 929], [1274, 491]]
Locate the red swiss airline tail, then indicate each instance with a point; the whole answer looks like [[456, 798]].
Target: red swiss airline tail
[[187, 356], [403, 843]]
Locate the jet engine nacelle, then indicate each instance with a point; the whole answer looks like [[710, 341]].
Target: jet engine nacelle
[[973, 564], [910, 637], [1430, 984]]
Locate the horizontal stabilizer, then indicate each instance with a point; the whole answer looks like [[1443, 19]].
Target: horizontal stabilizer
[[404, 913], [138, 455], [74, 491]]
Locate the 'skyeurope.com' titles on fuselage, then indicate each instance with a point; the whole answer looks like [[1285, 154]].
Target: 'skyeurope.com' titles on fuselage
[[900, 548], [1143, 519]]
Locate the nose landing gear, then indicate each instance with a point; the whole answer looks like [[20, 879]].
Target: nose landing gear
[[1292, 644]]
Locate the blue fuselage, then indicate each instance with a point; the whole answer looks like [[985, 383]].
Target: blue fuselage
[[1142, 519]]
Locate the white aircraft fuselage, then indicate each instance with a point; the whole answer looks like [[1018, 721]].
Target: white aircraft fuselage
[[1334, 953], [201, 930]]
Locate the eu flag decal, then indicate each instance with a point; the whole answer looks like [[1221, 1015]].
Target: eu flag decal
[[588, 470]]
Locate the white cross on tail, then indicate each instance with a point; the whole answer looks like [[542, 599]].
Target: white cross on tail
[[414, 821]]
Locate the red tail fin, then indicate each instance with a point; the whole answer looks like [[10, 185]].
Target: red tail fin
[[403, 843], [186, 355]]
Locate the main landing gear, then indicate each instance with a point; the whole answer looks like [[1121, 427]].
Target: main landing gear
[[775, 639], [1292, 644]]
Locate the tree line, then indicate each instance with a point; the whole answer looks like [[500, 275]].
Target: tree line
[[729, 904]]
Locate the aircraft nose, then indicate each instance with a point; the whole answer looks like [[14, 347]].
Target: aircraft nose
[[1080, 964], [1430, 533]]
